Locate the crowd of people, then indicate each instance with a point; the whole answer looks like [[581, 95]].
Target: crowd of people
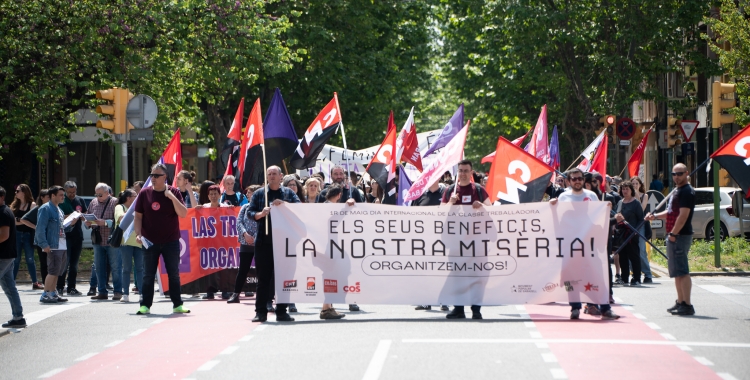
[[51, 226]]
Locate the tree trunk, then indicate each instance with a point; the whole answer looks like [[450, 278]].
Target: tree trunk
[[219, 131]]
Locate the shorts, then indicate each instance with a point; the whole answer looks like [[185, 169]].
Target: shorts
[[56, 260], [677, 253]]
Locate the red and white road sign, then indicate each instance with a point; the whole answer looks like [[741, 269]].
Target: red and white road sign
[[688, 128]]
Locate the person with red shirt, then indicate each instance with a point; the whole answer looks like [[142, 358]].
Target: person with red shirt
[[465, 193], [157, 227]]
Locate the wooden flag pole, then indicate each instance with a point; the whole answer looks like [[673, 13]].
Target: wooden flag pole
[[574, 162], [265, 187]]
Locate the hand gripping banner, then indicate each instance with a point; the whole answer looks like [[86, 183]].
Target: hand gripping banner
[[450, 255]]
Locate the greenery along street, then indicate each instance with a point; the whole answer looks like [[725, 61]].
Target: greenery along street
[[735, 255], [504, 59]]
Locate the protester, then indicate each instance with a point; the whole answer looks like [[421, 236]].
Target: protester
[[50, 236], [214, 194], [247, 229], [431, 197], [103, 208], [355, 179], [203, 193], [629, 210], [130, 250], [656, 184], [230, 197], [376, 193], [185, 184], [277, 195], [576, 193], [312, 188], [553, 190], [73, 239], [642, 197], [679, 216], [465, 193], [293, 184], [8, 246], [137, 186], [30, 220], [157, 227], [22, 203], [332, 196]]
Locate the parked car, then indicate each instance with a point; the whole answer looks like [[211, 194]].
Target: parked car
[[703, 216]]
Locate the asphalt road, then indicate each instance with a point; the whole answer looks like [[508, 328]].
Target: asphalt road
[[86, 339]]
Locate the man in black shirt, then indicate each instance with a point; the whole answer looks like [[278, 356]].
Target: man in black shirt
[[277, 195], [73, 238], [338, 176], [7, 257]]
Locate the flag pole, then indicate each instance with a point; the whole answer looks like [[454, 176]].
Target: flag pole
[[343, 137], [265, 185], [574, 162]]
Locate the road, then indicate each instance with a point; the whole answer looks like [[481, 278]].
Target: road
[[85, 339]]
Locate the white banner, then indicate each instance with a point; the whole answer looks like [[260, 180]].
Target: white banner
[[450, 255]]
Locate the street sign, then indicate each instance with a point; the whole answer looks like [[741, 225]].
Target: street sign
[[625, 129], [688, 128], [142, 111], [654, 198], [141, 135], [625, 142], [663, 138]]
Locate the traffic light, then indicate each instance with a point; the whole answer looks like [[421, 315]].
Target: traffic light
[[673, 132], [608, 122], [718, 117], [118, 98]]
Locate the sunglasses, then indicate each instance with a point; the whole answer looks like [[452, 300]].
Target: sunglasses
[[18, 191], [100, 195], [677, 174], [572, 179], [156, 175]]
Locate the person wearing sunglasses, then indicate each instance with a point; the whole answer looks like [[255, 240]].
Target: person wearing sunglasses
[[103, 208], [679, 216], [157, 226]]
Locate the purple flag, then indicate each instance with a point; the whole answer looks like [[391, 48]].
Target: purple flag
[[404, 184], [451, 129], [554, 150], [279, 134]]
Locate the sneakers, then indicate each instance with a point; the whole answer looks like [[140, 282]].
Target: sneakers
[[423, 307], [15, 324], [143, 310], [60, 299], [284, 318], [292, 308], [635, 283], [331, 314], [575, 313], [74, 292], [125, 298], [648, 280], [37, 286], [684, 309], [46, 298], [456, 314], [100, 296], [353, 307], [609, 315], [181, 309], [444, 308], [674, 308], [92, 292], [260, 318], [117, 297], [592, 310]]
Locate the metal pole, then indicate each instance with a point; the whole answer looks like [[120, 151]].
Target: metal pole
[[124, 177], [717, 209], [118, 167]]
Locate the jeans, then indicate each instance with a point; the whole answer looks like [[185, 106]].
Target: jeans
[[75, 245], [8, 283], [130, 254], [23, 244], [170, 252], [102, 255], [93, 282], [645, 265]]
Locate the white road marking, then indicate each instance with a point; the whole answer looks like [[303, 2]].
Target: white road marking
[[377, 361], [260, 328], [639, 316], [668, 336], [246, 338], [529, 324], [583, 341], [542, 345], [114, 343], [229, 350], [52, 373], [653, 325], [684, 348], [720, 289], [87, 356], [160, 320], [618, 300], [520, 307], [726, 376], [702, 360], [535, 334], [558, 373], [549, 357], [628, 308], [41, 315], [137, 332], [207, 366]]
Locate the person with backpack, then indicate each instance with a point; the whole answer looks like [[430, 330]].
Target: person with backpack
[[231, 197]]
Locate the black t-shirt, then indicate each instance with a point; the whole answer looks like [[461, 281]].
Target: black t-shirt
[[8, 247], [429, 198], [160, 222], [345, 195], [684, 197], [234, 199], [19, 214]]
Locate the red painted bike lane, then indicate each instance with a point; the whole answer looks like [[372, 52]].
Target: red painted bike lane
[[174, 348], [612, 359]]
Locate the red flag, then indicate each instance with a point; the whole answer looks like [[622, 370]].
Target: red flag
[[450, 156], [173, 156], [252, 140], [383, 163], [517, 142], [235, 131], [539, 145], [734, 156], [316, 136], [407, 146], [599, 163], [634, 163], [516, 176]]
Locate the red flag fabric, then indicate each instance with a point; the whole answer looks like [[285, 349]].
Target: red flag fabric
[[316, 136], [734, 156], [599, 163], [235, 131], [450, 156], [173, 156], [517, 142], [407, 146], [253, 138], [516, 176], [634, 163], [539, 144], [383, 163]]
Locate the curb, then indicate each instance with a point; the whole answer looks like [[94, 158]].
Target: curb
[[663, 271]]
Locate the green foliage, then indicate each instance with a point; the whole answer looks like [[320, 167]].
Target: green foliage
[[735, 255], [733, 26]]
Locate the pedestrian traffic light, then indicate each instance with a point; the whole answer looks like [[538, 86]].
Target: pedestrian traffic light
[[608, 122], [719, 104], [673, 132], [118, 103]]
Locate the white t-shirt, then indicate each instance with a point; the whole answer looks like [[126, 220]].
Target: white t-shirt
[[586, 196]]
